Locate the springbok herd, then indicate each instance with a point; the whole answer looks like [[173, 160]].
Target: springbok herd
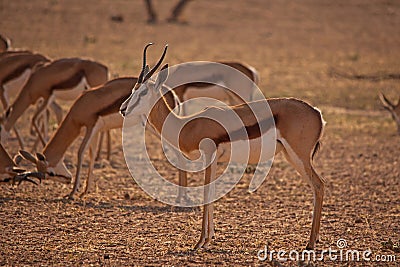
[[99, 105]]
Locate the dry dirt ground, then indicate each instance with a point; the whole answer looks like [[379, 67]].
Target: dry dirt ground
[[293, 44]]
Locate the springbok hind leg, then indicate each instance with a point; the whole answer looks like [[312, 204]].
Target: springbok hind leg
[[207, 230], [109, 148], [92, 152], [81, 152], [302, 163], [99, 147]]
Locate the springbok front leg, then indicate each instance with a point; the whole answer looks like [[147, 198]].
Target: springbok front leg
[[207, 230], [6, 103], [182, 195]]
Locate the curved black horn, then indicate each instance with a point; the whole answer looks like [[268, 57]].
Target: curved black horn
[[140, 79], [151, 72]]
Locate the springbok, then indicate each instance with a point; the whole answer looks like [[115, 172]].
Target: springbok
[[63, 79], [217, 74], [392, 108], [96, 110], [15, 70], [298, 125]]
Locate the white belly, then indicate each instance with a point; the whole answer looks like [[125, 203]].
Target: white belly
[[72, 93], [252, 151]]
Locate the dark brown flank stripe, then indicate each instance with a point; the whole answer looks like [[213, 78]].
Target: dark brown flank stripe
[[71, 82], [253, 131], [16, 73]]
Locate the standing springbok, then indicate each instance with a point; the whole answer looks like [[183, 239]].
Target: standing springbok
[[298, 125], [392, 108], [63, 79]]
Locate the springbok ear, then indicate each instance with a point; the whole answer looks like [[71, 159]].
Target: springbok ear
[[28, 156], [40, 157], [385, 102], [161, 77], [17, 159]]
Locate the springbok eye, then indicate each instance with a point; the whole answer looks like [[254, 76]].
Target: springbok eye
[[144, 92]]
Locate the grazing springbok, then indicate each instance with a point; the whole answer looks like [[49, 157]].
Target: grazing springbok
[[15, 70], [392, 108], [298, 126], [63, 79], [9, 173], [97, 110]]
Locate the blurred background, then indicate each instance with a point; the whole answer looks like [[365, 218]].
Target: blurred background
[[293, 44]]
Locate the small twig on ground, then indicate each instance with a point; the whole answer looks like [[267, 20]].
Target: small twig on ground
[[333, 72]]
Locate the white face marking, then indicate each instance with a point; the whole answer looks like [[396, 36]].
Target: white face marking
[[139, 103]]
